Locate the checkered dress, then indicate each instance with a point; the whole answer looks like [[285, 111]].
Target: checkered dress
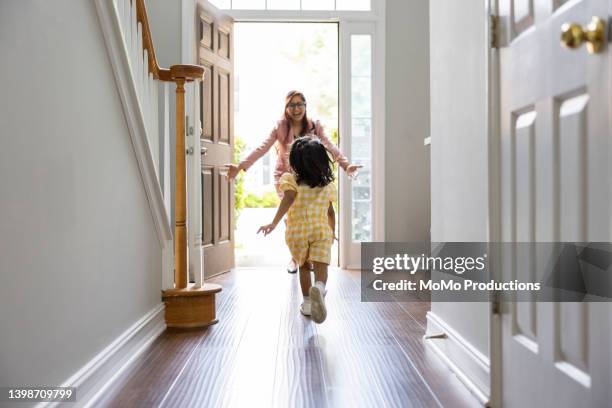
[[308, 234]]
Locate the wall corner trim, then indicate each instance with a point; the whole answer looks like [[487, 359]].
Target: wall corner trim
[[470, 366]]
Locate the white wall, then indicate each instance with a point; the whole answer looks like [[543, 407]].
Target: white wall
[[459, 194], [165, 24], [79, 257], [407, 198]]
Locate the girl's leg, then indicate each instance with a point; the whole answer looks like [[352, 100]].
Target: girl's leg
[[317, 293], [305, 284], [320, 271], [305, 281]]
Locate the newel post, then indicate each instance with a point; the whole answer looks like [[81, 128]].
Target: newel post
[[180, 225], [187, 306]]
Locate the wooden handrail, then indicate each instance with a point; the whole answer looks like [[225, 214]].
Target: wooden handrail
[[187, 72], [147, 42]]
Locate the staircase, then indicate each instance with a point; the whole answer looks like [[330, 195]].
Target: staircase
[[141, 80]]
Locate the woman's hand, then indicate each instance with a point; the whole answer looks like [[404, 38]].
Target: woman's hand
[[232, 171], [266, 229], [352, 170]]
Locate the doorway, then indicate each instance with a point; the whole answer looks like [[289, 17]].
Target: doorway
[[272, 58]]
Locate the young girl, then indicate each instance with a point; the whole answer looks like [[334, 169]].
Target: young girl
[[308, 194]]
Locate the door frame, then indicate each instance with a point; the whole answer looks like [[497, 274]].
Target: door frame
[[349, 255], [493, 126], [350, 251]]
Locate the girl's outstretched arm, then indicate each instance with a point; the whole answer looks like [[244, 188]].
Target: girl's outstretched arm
[[285, 204], [234, 169]]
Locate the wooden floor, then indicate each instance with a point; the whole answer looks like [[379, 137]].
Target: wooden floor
[[263, 353]]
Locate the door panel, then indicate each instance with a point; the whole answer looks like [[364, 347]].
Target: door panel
[[208, 223], [216, 114], [555, 157], [225, 199], [572, 125], [224, 42], [224, 80], [206, 104], [522, 15]]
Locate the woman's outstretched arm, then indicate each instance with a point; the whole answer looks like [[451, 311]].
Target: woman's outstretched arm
[[335, 151], [255, 155]]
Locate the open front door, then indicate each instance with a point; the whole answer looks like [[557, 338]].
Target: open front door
[[215, 54], [555, 186]]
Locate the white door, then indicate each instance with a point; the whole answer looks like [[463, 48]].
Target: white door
[[555, 174]]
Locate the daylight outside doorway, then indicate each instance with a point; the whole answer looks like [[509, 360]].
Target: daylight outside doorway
[[270, 60]]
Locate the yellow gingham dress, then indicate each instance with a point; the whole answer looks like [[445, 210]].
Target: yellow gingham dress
[[308, 234]]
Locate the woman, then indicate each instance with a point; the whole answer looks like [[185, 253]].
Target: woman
[[294, 124]]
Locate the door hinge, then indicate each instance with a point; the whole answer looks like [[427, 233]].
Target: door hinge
[[494, 32], [496, 303]]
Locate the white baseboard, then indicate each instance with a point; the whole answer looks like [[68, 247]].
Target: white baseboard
[[95, 377], [469, 365]]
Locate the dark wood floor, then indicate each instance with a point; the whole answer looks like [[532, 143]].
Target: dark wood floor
[[263, 353]]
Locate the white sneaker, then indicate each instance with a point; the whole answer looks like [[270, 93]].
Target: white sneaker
[[317, 299], [305, 308]]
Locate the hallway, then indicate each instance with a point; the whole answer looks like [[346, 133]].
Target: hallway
[[263, 353]]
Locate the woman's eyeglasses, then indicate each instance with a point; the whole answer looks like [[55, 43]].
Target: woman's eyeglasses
[[294, 106]]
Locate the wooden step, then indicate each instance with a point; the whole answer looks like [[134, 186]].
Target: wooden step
[[191, 307]]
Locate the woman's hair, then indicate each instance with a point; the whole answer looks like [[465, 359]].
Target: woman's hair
[[305, 121], [310, 162]]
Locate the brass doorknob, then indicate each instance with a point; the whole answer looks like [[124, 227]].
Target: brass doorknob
[[573, 35]]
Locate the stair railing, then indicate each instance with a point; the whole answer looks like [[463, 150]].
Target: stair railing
[[148, 77]]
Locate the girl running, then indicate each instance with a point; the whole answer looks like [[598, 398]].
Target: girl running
[[308, 194]]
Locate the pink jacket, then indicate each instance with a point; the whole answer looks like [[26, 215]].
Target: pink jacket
[[283, 137]]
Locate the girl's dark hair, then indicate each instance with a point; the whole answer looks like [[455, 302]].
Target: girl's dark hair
[[306, 128], [310, 162]]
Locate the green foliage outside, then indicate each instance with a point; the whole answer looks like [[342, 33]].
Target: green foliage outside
[[239, 147], [269, 199], [242, 199], [315, 59]]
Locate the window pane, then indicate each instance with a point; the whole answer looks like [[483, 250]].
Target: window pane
[[249, 4], [361, 63], [361, 97], [283, 4], [317, 4], [221, 4], [353, 5], [361, 136], [362, 222]]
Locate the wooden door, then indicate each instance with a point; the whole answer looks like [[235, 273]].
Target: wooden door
[[217, 139], [555, 177]]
